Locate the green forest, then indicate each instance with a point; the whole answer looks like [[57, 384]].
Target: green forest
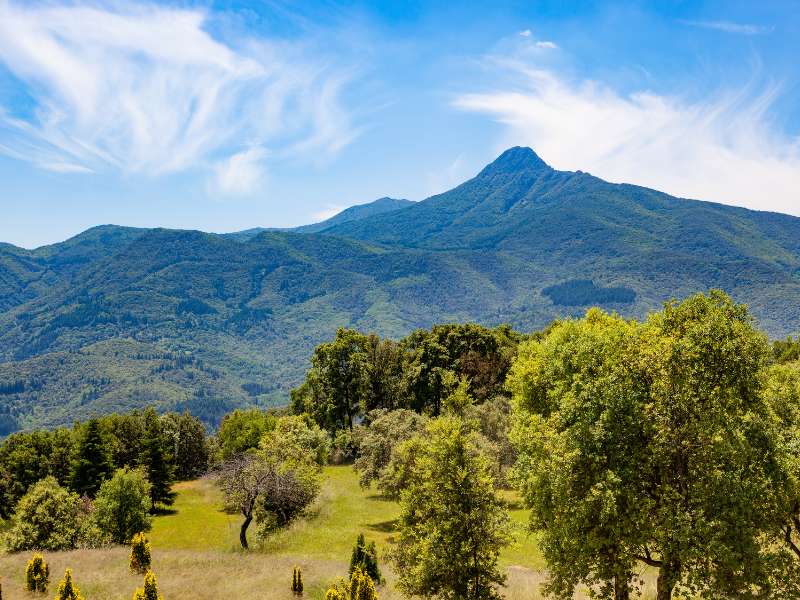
[[599, 457]]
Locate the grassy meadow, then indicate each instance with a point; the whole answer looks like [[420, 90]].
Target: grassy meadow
[[196, 552]]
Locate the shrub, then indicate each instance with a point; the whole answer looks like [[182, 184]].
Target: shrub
[[123, 505], [360, 587], [150, 590], [297, 581], [365, 557], [48, 517], [67, 589], [140, 554], [37, 574]]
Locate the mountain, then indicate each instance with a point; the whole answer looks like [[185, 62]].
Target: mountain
[[122, 318], [359, 211]]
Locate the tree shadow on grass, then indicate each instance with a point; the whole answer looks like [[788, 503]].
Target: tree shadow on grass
[[163, 511], [383, 526]]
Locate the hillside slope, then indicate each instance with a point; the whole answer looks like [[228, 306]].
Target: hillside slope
[[120, 317]]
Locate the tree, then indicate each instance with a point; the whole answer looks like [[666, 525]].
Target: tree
[[452, 525], [123, 505], [150, 589], [37, 575], [365, 557], [244, 479], [92, 462], [338, 380], [139, 560], [386, 431], [156, 461], [653, 443], [579, 427], [189, 446], [241, 431], [67, 590], [49, 517]]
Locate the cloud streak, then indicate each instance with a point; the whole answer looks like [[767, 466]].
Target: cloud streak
[[723, 149], [731, 27], [139, 88]]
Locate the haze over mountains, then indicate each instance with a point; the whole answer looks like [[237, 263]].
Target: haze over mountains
[[117, 317]]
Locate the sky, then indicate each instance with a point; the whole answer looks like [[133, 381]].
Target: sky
[[222, 115]]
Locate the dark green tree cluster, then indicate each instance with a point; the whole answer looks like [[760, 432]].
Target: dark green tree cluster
[[658, 443], [356, 373], [365, 557]]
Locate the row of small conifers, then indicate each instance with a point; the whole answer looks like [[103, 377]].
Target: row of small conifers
[[37, 575], [364, 573]]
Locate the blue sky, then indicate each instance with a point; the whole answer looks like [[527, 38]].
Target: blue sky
[[229, 114]]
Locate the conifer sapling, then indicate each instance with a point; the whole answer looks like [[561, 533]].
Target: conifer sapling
[[37, 575], [140, 554], [67, 589]]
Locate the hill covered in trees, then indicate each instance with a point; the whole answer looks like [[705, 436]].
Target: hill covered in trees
[[121, 317]]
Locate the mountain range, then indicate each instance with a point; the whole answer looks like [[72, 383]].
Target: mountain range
[[118, 318]]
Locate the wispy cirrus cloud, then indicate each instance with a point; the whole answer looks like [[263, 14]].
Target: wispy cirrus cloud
[[721, 149], [731, 27], [142, 88]]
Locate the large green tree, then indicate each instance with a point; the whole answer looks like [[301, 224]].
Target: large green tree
[[156, 460], [92, 462], [122, 506], [452, 525]]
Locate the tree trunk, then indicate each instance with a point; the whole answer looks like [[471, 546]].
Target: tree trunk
[[621, 589], [668, 576], [243, 531]]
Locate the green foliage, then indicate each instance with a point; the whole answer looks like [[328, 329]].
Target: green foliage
[[384, 434], [359, 587], [150, 589], [584, 292], [122, 506], [139, 561], [241, 430], [785, 351], [452, 525], [156, 461], [365, 558], [49, 517], [25, 458], [92, 463], [37, 575], [655, 442], [190, 450], [67, 590]]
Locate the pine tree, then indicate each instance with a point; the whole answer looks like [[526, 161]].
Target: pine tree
[[37, 575], [150, 590], [297, 581], [294, 580], [365, 557], [155, 460], [92, 462], [67, 589], [140, 554]]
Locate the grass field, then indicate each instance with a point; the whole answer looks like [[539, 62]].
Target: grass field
[[196, 552]]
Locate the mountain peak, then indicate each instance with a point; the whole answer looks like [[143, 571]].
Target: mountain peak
[[518, 158]]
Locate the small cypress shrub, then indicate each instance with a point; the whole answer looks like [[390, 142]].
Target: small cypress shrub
[[67, 589], [297, 581], [37, 575], [365, 557], [140, 554], [362, 587], [150, 590], [294, 580]]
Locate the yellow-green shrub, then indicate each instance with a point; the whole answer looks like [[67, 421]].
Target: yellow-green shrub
[[67, 589], [37, 574], [150, 590], [140, 554]]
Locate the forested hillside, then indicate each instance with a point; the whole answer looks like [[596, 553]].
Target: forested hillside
[[120, 317]]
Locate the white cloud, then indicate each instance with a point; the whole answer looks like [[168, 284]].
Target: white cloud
[[722, 149], [241, 174], [136, 87], [526, 33], [331, 210], [730, 27], [546, 45]]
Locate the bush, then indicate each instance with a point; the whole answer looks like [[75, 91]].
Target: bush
[[365, 557], [360, 587], [67, 589], [150, 590], [48, 517], [123, 505], [140, 554], [297, 581], [37, 574]]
